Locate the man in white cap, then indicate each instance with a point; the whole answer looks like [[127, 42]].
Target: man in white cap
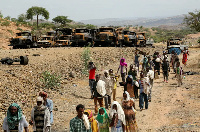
[[40, 117]]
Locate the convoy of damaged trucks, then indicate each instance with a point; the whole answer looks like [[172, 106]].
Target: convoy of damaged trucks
[[61, 37]]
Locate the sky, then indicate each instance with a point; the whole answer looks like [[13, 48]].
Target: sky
[[99, 9]]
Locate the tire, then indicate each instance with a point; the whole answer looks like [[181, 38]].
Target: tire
[[24, 60]]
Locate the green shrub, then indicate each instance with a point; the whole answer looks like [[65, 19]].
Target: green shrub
[[19, 29], [50, 80], [5, 23], [85, 58], [11, 32]]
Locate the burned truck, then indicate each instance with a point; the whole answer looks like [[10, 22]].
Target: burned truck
[[82, 37], [23, 40], [141, 39], [64, 36], [176, 45], [106, 36], [129, 38], [47, 40]]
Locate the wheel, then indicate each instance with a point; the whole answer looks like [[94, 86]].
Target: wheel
[[24, 60]]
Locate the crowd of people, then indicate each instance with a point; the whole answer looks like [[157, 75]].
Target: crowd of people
[[121, 117]]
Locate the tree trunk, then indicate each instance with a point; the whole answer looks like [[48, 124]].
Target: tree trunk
[[37, 21]]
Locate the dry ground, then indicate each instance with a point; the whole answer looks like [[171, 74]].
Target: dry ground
[[172, 108]]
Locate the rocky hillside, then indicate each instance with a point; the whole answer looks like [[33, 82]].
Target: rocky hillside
[[9, 29]]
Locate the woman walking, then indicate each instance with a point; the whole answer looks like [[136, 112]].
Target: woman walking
[[128, 106], [93, 122], [103, 120], [123, 69]]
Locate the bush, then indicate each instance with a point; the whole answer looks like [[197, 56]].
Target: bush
[[11, 32], [5, 23], [19, 29], [50, 80], [86, 58]]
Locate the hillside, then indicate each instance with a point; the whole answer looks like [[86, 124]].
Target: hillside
[[9, 29], [147, 22]]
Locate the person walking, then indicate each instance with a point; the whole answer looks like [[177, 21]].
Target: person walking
[[99, 92], [15, 121], [123, 69], [179, 73], [137, 60], [150, 75], [40, 117], [80, 123], [117, 117], [128, 106], [109, 87], [93, 121], [103, 120], [185, 54], [92, 69], [143, 82], [48, 103], [166, 69]]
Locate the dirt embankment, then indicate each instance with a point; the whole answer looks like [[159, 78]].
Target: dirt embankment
[[8, 31], [21, 84]]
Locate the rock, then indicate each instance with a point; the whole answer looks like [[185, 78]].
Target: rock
[[72, 74]]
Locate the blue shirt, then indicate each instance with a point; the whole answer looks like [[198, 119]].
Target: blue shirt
[[49, 104]]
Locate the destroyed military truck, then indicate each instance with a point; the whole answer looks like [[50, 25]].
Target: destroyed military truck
[[65, 38], [82, 37], [106, 36], [176, 45], [23, 40], [129, 38], [119, 37], [47, 40], [141, 39]]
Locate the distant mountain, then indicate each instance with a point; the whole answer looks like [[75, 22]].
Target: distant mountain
[[146, 22]]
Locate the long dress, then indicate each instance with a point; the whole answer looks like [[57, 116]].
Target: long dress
[[104, 127], [118, 127], [131, 125], [130, 90], [184, 60]]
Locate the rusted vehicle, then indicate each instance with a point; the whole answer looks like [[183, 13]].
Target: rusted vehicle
[[141, 39], [65, 38], [46, 41], [23, 40], [176, 45], [119, 36], [129, 38], [82, 37], [106, 36]]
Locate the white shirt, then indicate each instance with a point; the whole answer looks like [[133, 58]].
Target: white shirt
[[22, 123]]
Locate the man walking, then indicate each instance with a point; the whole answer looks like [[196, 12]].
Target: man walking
[[15, 120], [40, 117], [92, 69], [80, 123]]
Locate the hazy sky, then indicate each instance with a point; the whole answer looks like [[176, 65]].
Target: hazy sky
[[98, 9]]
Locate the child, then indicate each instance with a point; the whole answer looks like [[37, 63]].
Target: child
[[114, 79], [103, 120], [93, 122], [179, 73], [166, 69]]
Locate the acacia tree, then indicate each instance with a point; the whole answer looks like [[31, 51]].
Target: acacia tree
[[193, 20], [62, 20], [36, 11], [21, 18]]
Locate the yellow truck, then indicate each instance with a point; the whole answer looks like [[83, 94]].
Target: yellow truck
[[141, 39], [65, 38], [106, 36]]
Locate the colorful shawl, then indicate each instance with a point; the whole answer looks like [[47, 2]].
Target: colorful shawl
[[13, 120], [100, 117], [123, 63], [93, 122]]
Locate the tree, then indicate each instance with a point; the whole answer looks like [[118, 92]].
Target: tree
[[62, 20], [7, 18], [36, 11], [90, 26], [192, 20], [1, 15], [22, 18]]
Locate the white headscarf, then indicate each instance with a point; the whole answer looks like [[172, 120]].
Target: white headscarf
[[129, 98], [119, 111]]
